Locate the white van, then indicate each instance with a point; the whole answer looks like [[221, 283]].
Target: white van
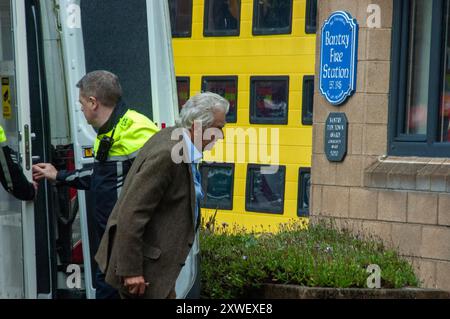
[[46, 46]]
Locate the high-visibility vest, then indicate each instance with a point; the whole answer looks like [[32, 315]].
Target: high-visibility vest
[[130, 133]]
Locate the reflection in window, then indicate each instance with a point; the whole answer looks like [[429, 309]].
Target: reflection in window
[[420, 79], [308, 100], [182, 91], [222, 17], [304, 186], [269, 100], [104, 27], [225, 87], [272, 17], [444, 114], [217, 184], [311, 14], [265, 192], [419, 67], [181, 17]]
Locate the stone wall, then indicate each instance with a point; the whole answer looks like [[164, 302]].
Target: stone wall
[[403, 200]]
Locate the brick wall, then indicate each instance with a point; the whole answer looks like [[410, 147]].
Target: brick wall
[[405, 201]]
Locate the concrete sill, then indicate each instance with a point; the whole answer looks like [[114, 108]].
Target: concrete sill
[[409, 173], [271, 291]]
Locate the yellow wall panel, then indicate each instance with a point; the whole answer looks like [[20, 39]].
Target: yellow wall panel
[[291, 55], [292, 172], [256, 65], [290, 191], [250, 221], [272, 46], [239, 187]]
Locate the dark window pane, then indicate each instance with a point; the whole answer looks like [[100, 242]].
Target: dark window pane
[[182, 91], [217, 183], [308, 100], [225, 87], [444, 114], [304, 186], [419, 67], [311, 13], [269, 100], [272, 17], [181, 17], [419, 107], [265, 192], [222, 17], [104, 28]]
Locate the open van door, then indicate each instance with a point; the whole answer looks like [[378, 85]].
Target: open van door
[[47, 247], [133, 40], [17, 222]]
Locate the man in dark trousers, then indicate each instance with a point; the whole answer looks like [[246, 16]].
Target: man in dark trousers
[[121, 132], [152, 227], [11, 175]]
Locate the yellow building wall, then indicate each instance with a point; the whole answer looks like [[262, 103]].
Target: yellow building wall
[[246, 55]]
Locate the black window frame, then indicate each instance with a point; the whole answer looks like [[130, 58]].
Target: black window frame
[[254, 119], [311, 17], [235, 78], [301, 190], [187, 34], [206, 166], [271, 31], [415, 145], [188, 80], [248, 188], [220, 33], [308, 100]]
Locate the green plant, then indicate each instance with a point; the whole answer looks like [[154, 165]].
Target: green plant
[[234, 261]]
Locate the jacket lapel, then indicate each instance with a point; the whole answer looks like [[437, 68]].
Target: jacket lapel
[[187, 162], [192, 190]]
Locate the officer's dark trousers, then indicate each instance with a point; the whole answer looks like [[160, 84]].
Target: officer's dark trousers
[[103, 290]]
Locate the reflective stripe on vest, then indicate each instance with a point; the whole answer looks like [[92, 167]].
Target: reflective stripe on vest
[[4, 164], [121, 158]]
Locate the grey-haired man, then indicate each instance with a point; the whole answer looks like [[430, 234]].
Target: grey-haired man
[[153, 224]]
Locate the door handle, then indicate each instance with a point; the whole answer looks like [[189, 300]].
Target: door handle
[[27, 147]]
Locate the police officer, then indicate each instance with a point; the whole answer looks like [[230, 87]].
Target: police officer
[[121, 132], [11, 175]]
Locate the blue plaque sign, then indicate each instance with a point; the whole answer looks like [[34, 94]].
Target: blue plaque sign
[[338, 57]]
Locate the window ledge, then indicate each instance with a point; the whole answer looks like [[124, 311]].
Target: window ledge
[[409, 173]]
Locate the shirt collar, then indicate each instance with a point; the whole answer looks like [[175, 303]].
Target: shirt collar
[[193, 154]]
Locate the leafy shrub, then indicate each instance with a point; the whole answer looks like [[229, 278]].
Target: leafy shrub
[[234, 261]]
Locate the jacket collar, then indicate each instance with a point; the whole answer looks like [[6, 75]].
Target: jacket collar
[[119, 110]]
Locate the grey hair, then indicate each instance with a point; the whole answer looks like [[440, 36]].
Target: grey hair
[[201, 107], [103, 85]]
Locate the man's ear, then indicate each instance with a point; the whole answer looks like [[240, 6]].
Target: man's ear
[[94, 102]]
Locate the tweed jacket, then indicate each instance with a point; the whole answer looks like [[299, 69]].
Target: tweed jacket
[[151, 228]]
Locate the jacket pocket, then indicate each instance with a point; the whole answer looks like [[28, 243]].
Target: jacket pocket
[[151, 252]]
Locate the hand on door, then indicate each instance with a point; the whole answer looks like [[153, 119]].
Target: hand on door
[[44, 170]]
